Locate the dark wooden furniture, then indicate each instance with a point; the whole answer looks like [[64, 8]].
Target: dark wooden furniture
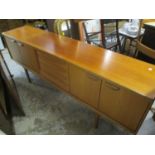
[[148, 42], [8, 98], [7, 24], [117, 87], [38, 23], [131, 37], [106, 37]]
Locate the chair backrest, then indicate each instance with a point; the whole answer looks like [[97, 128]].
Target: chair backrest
[[91, 34], [59, 23], [145, 50], [106, 33], [141, 48]]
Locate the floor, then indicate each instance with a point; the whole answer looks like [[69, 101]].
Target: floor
[[53, 112]]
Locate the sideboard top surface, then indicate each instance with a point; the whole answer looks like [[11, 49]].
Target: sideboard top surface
[[128, 72]]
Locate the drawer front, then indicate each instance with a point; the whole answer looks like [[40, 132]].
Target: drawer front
[[13, 49], [54, 70], [122, 105]]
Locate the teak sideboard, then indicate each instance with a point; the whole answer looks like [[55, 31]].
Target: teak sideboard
[[116, 86]]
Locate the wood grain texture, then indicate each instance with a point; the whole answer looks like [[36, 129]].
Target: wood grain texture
[[85, 85], [123, 105], [125, 71], [120, 87], [54, 70]]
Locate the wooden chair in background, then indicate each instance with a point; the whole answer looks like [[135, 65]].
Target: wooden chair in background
[[149, 52], [107, 36], [62, 27], [146, 51]]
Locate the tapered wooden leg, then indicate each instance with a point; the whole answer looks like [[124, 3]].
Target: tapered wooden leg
[[27, 75], [96, 122]]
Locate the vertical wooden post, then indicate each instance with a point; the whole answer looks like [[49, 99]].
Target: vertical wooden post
[[102, 32], [75, 29]]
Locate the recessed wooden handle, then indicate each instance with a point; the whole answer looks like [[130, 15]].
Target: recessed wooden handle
[[13, 41], [20, 44], [111, 86], [92, 76]]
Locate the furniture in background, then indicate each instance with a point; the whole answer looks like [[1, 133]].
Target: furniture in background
[[74, 29], [8, 77], [129, 35], [62, 27], [38, 23], [92, 36], [7, 24], [149, 35], [2, 48], [8, 99], [146, 46], [119, 88], [148, 41], [106, 36]]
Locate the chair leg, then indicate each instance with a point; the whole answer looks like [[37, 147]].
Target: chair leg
[[124, 44], [96, 122], [27, 75]]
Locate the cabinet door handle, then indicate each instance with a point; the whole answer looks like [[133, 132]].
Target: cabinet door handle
[[20, 44], [92, 76], [13, 41], [111, 86]]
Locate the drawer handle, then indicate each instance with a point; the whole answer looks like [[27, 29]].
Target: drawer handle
[[111, 86], [93, 77], [13, 41], [20, 44]]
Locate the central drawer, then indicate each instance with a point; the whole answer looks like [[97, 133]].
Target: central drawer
[[54, 70]]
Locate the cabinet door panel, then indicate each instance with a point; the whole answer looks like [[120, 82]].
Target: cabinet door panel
[[84, 85], [110, 99], [133, 109], [13, 49], [122, 105], [28, 56]]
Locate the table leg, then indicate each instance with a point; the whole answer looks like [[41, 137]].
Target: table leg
[[129, 50], [27, 75], [123, 45]]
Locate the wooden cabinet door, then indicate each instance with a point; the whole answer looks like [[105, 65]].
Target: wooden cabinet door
[[85, 85], [28, 56], [13, 49], [23, 54], [123, 106]]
